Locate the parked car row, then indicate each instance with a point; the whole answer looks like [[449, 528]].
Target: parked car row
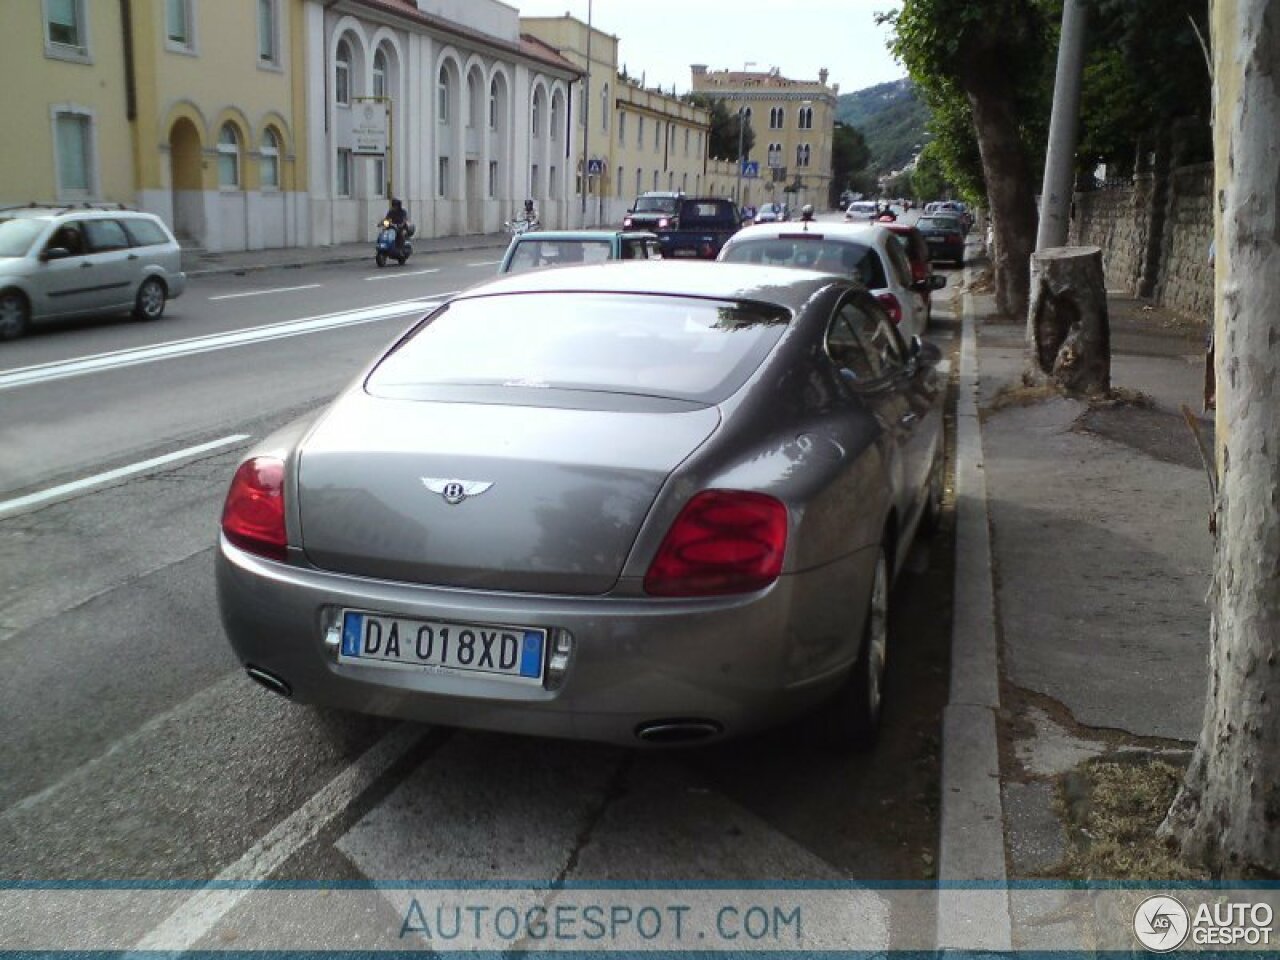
[[647, 502]]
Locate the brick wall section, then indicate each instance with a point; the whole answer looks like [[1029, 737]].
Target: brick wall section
[[1117, 218]]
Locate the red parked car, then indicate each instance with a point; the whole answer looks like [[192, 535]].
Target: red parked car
[[917, 250]]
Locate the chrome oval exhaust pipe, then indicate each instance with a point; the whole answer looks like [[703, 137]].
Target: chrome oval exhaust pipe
[[678, 731], [270, 681]]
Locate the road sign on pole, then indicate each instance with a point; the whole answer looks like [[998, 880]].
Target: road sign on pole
[[751, 169]]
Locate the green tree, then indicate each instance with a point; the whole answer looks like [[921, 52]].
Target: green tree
[[850, 157], [722, 140], [992, 54]]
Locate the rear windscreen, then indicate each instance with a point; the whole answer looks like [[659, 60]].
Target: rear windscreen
[[680, 348], [844, 257], [938, 223]]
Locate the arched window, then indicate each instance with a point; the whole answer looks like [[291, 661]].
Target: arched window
[[493, 104], [342, 74], [442, 96], [229, 156], [535, 119], [604, 109], [555, 116], [270, 159], [806, 118], [380, 73]]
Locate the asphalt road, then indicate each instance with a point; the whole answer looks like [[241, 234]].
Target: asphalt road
[[134, 748]]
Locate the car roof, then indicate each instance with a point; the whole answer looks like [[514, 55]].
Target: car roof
[[816, 230], [783, 286], [586, 235], [44, 210]]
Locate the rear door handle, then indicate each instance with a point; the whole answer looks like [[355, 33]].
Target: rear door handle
[[85, 265]]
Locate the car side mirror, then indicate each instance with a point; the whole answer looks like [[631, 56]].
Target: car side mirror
[[924, 352], [937, 281], [55, 253]]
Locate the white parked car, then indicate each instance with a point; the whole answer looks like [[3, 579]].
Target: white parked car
[[59, 262], [864, 252]]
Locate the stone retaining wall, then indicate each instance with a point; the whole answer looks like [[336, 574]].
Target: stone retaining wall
[[1117, 217]]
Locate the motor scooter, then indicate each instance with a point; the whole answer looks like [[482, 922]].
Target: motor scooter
[[388, 245]]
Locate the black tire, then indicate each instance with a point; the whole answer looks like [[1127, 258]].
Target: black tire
[[380, 259], [852, 717], [15, 315], [401, 260], [149, 304]]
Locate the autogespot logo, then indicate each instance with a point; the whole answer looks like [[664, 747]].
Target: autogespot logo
[[1161, 924]]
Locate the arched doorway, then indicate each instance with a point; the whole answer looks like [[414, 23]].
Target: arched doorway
[[187, 183]]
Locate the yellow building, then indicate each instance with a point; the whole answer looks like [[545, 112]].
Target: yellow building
[[67, 103], [632, 139], [794, 126], [184, 108]]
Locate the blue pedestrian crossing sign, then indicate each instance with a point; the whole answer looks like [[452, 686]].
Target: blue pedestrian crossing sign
[[595, 167], [751, 168]]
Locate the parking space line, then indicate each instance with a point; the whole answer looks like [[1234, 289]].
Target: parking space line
[[485, 263], [259, 293], [398, 274], [192, 921], [42, 497]]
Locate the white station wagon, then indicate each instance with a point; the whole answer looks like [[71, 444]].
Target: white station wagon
[[63, 262]]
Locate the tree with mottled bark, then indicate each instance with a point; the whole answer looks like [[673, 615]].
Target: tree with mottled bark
[[1227, 814], [991, 52]]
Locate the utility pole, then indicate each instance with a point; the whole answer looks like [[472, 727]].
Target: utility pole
[[737, 198], [586, 121], [1060, 160]]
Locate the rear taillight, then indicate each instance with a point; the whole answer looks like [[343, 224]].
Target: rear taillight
[[253, 516], [723, 541], [891, 306], [954, 238]]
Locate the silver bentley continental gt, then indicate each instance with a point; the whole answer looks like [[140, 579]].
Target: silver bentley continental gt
[[644, 502]]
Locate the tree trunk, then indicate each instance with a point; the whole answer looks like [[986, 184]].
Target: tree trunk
[[1228, 812], [1008, 179], [1068, 333]]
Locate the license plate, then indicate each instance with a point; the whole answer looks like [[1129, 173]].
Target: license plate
[[684, 252], [503, 653], [932, 240]]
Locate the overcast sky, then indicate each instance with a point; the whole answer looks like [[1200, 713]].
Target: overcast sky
[[660, 38]]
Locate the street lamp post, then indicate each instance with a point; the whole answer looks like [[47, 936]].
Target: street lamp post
[[741, 132]]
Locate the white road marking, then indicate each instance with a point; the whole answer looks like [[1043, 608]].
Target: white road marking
[[259, 293], [398, 274], [192, 921], [62, 369], [485, 263], [8, 507]]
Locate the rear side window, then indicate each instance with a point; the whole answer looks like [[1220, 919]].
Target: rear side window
[[694, 210], [641, 344], [105, 235], [144, 233]]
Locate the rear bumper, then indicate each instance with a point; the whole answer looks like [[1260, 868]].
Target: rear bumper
[[740, 662]]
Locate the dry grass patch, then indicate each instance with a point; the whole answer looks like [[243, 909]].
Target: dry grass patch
[[1111, 809]]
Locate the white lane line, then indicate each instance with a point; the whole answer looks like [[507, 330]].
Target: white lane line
[[398, 275], [259, 293], [193, 921], [8, 507], [62, 369], [485, 263]]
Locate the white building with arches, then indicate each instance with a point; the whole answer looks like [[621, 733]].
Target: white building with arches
[[479, 117]]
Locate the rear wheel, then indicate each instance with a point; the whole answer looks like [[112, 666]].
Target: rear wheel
[[401, 260], [15, 315], [149, 304], [380, 259], [853, 715]]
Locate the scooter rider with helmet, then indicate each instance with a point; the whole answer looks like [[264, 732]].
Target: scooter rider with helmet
[[399, 218]]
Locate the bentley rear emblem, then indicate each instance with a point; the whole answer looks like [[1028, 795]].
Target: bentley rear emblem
[[455, 491]]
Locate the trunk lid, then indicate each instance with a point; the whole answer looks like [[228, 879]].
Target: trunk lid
[[569, 490]]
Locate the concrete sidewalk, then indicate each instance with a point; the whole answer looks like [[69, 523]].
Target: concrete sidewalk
[[201, 263], [1101, 557]]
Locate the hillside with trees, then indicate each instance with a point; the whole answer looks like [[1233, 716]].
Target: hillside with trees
[[891, 118]]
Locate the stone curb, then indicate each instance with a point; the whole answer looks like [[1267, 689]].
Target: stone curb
[[971, 836]]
